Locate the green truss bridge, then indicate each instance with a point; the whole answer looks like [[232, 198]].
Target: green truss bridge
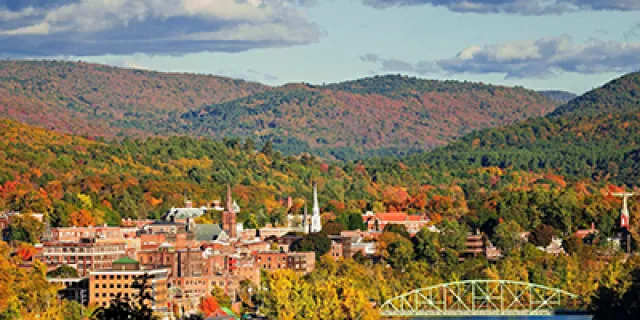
[[480, 298]]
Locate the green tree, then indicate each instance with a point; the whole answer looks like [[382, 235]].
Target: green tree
[[25, 228], [542, 235], [63, 271], [73, 310], [317, 242], [507, 236], [138, 308], [332, 228], [223, 299], [425, 245], [400, 229], [452, 235], [400, 252]]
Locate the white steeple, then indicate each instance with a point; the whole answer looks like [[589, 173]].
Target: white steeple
[[316, 225]]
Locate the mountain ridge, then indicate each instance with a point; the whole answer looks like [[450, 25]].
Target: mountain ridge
[[596, 136], [375, 116]]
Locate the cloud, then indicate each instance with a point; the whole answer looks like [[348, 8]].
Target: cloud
[[96, 27], [542, 58], [523, 7]]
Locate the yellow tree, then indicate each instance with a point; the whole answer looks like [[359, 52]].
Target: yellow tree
[[82, 218]]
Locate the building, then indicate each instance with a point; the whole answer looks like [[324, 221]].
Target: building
[[102, 233], [303, 262], [84, 256], [229, 219], [583, 233], [376, 222], [123, 279], [337, 250], [73, 289], [477, 245], [316, 224]]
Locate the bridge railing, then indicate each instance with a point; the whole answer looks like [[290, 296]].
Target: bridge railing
[[479, 297]]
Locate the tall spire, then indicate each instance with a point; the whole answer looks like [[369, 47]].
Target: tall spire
[[229, 217], [316, 225], [624, 213]]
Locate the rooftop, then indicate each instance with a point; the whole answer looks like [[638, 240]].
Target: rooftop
[[126, 260]]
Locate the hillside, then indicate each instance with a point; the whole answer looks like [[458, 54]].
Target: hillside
[[379, 116], [386, 115], [67, 177], [619, 95], [99, 100], [596, 135]]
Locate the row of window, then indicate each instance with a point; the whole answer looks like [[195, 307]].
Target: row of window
[[112, 286]]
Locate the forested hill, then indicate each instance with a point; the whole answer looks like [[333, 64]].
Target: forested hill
[[378, 116], [79, 181], [99, 100], [596, 136], [386, 115], [619, 95]]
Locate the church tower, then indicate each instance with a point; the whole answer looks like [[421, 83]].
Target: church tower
[[229, 217], [316, 225]]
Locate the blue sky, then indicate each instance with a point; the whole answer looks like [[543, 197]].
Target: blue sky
[[573, 45]]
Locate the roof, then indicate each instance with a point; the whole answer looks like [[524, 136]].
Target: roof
[[583, 233], [396, 217], [182, 213], [166, 223], [208, 232], [126, 260]]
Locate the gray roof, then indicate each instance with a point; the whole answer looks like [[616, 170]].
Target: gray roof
[[183, 213], [209, 232]]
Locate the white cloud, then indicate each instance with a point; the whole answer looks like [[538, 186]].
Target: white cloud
[[545, 57], [89, 27], [524, 7]]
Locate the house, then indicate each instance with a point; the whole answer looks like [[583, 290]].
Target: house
[[583, 233]]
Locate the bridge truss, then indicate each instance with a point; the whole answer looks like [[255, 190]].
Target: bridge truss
[[479, 298]]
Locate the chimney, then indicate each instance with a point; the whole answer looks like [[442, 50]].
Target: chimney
[[593, 225], [188, 204]]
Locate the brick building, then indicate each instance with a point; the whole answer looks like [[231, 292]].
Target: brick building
[[105, 285], [303, 262], [84, 255], [376, 222]]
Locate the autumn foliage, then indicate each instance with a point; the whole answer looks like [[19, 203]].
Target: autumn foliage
[[209, 305]]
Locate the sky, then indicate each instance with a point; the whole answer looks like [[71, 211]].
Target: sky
[[573, 45]]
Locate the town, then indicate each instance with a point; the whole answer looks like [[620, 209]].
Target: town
[[186, 261]]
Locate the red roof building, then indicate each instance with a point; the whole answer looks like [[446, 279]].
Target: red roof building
[[376, 222]]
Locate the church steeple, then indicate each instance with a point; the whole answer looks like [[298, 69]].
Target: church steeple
[[316, 225], [229, 217]]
